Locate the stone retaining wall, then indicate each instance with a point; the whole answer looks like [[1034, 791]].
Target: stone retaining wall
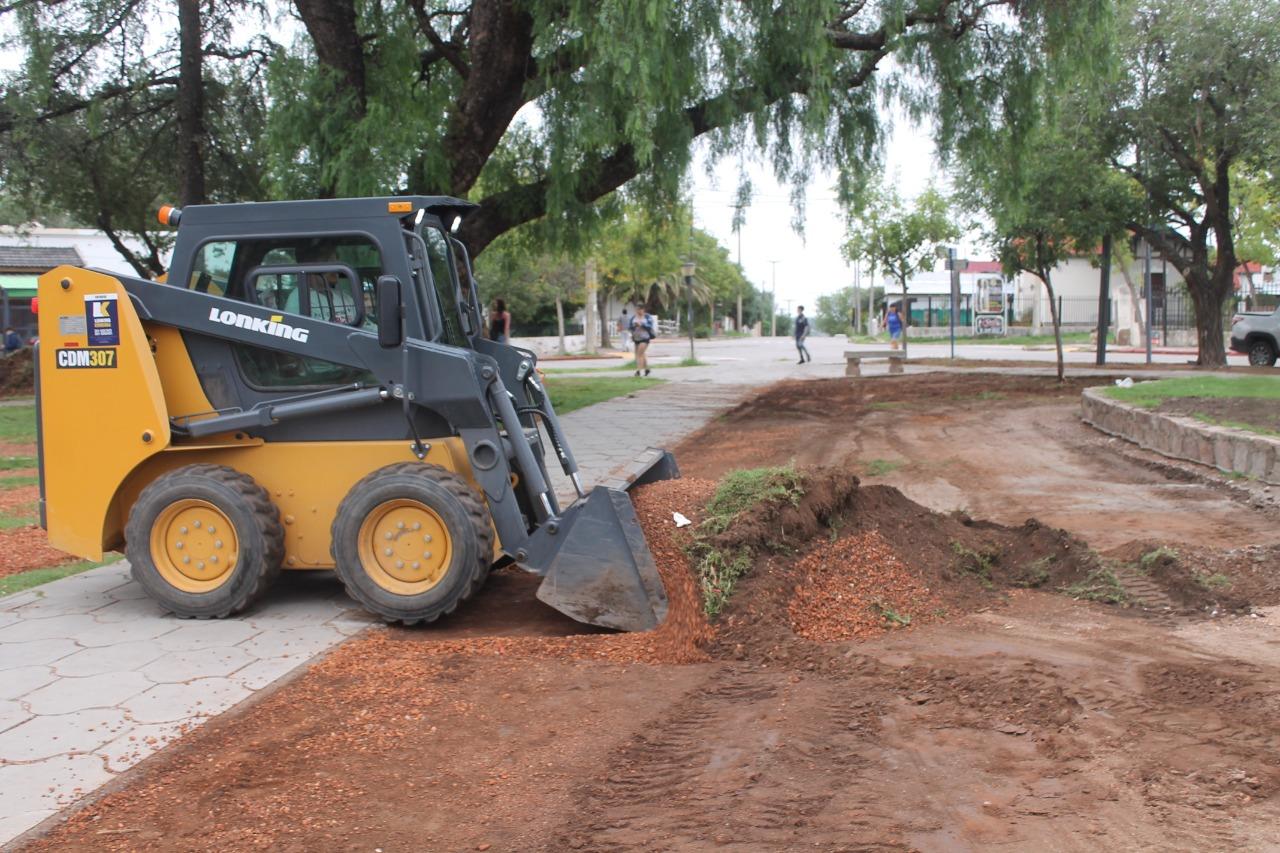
[[1227, 449]]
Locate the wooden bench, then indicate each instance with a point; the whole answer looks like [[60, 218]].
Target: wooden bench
[[853, 360]]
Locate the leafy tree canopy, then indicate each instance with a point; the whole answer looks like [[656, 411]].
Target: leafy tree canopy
[[900, 239], [1196, 101], [536, 109]]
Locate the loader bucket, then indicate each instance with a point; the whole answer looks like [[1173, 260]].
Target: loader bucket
[[649, 466], [596, 566], [595, 563]]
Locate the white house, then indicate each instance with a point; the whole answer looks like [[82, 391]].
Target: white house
[[93, 247]]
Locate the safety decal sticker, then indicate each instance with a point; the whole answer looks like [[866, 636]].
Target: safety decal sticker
[[86, 357], [102, 313], [72, 324]]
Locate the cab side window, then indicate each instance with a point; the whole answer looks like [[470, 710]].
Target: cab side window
[[211, 271], [324, 278]]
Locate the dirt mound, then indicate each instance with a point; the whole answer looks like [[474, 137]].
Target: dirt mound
[[863, 560], [1190, 579], [856, 588], [781, 522], [18, 373]]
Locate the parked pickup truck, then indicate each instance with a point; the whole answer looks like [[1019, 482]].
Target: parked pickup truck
[[1257, 335]]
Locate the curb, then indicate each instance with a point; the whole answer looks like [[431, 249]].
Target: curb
[[1225, 448]]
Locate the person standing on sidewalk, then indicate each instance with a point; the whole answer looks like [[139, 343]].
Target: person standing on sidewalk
[[500, 322], [894, 324], [802, 334], [624, 328], [643, 330]]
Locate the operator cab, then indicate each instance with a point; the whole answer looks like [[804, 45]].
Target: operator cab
[[314, 265], [322, 260]]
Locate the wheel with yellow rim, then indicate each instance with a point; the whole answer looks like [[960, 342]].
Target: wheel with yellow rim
[[411, 542], [204, 540]]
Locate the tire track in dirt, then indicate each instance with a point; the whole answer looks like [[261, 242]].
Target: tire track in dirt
[[751, 761]]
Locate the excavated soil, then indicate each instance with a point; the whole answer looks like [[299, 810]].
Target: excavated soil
[[23, 548], [17, 373], [890, 676]]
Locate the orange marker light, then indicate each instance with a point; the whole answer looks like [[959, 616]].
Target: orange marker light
[[399, 207], [169, 215]]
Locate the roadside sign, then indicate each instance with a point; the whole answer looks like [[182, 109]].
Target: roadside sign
[[988, 306], [989, 324]]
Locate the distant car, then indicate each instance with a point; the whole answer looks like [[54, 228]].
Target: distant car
[[1257, 335]]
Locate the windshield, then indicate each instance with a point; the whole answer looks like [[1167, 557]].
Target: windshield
[[446, 289]]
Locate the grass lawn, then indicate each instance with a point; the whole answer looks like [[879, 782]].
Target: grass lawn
[[1250, 403], [21, 515], [25, 580], [1151, 394], [18, 424], [575, 392]]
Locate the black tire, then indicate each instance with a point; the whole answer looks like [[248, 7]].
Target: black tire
[[1262, 353], [460, 511], [253, 517]]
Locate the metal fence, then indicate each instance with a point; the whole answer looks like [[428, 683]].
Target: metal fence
[[1169, 311]]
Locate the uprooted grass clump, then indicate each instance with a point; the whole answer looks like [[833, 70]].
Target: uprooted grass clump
[[1099, 585], [718, 565], [974, 562], [761, 510]]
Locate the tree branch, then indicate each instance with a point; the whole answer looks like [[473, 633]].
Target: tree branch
[[116, 90], [451, 51]]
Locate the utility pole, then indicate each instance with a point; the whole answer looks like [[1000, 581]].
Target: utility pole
[[687, 270], [773, 302], [738, 228], [1146, 277], [1104, 302]]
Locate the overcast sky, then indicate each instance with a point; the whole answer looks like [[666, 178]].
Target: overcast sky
[[809, 264]]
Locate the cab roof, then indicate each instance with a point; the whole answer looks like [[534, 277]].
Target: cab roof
[[315, 210]]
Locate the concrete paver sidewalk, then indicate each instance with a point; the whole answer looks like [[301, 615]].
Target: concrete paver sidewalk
[[94, 676]]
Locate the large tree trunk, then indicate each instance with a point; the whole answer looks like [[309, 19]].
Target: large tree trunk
[[1207, 295], [190, 105]]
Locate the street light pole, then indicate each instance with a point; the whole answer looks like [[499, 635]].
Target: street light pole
[[687, 269], [955, 294], [1146, 278]]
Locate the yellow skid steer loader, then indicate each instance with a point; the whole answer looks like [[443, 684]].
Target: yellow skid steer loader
[[310, 389]]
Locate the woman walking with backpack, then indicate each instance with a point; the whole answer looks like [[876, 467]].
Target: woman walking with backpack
[[643, 329]]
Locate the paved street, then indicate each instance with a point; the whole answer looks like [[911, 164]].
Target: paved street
[[764, 360]]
